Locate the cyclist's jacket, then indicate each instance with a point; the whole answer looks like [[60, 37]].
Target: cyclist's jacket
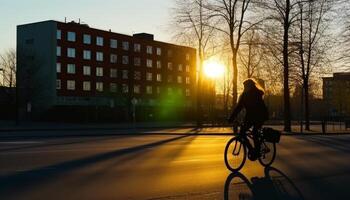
[[252, 101]]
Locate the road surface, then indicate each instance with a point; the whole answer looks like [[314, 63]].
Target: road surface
[[170, 167]]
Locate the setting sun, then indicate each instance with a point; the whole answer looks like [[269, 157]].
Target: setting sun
[[213, 69]]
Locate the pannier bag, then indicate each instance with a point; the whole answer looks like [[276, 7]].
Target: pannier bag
[[271, 135]]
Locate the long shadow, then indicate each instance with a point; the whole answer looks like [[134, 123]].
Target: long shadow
[[274, 185], [15, 183], [333, 143], [147, 155], [79, 141]]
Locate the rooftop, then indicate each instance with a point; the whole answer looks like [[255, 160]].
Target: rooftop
[[140, 36]]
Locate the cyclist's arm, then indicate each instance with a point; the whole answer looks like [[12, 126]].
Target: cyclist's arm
[[237, 109]]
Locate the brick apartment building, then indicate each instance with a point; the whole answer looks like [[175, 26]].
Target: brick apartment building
[[336, 94], [72, 71]]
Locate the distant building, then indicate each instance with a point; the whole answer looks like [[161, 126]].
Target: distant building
[[72, 70], [336, 94]]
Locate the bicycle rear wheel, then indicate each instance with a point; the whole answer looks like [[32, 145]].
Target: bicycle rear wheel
[[235, 154], [268, 153]]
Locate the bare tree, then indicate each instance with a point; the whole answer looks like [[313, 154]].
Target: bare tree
[[343, 19], [285, 13], [192, 27], [8, 68], [313, 43], [252, 54], [234, 24]]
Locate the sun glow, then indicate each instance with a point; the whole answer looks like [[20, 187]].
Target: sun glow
[[213, 69]]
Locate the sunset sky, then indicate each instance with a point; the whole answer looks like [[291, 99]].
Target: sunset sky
[[121, 16]]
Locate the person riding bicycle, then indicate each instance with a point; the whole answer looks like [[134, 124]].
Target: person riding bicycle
[[256, 112]]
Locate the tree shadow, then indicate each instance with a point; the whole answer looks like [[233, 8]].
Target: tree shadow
[[62, 143], [20, 181], [274, 185], [335, 143]]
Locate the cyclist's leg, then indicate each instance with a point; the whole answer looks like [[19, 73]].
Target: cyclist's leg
[[243, 131], [256, 128]]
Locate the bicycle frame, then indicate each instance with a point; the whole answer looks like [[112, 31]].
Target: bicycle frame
[[244, 137]]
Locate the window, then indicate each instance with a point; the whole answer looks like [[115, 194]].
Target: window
[[113, 87], [137, 61], [188, 92], [113, 58], [137, 75], [158, 89], [137, 47], [71, 68], [71, 52], [187, 80], [70, 85], [159, 51], [58, 67], [58, 51], [58, 34], [58, 84], [114, 43], [99, 41], [113, 73], [179, 79], [159, 64], [187, 68], [170, 66], [87, 55], [149, 49], [99, 56], [126, 46], [86, 86], [170, 78], [159, 77], [99, 71], [149, 89], [125, 74], [149, 63], [86, 39], [187, 56], [149, 76], [99, 86], [125, 88], [125, 60], [170, 53], [137, 89], [71, 36], [87, 70], [180, 67]]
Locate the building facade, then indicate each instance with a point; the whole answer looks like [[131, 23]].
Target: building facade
[[336, 94], [72, 68]]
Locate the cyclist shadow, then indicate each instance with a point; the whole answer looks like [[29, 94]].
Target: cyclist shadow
[[274, 185]]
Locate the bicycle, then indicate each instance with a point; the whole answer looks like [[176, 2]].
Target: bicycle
[[236, 148]]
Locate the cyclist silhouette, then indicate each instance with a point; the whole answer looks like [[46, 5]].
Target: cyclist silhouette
[[256, 112]]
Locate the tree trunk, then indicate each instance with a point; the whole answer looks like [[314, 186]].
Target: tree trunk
[[234, 79], [199, 89], [286, 95], [306, 104]]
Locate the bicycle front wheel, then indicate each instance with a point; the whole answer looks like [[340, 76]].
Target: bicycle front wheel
[[268, 153], [235, 154]]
